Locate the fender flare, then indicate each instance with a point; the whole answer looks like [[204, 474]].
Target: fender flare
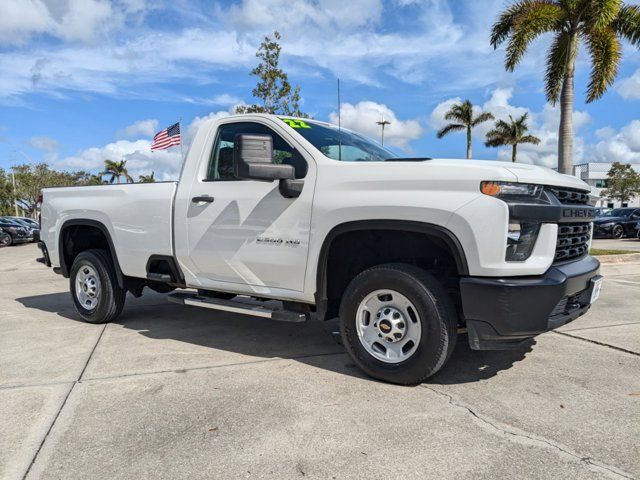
[[437, 231], [64, 268]]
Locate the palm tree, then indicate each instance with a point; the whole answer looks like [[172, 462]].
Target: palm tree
[[462, 116], [117, 170], [512, 133], [147, 178], [600, 24]]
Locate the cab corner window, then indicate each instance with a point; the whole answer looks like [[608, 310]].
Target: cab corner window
[[221, 162]]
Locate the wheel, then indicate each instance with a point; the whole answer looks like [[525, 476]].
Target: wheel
[[96, 294], [617, 232], [398, 323], [5, 239]]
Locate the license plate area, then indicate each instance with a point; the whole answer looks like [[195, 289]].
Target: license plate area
[[595, 288]]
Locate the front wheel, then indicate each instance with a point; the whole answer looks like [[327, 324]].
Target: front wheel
[[96, 294], [617, 232], [398, 323]]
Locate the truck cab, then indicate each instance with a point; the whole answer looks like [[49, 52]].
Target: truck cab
[[404, 251]]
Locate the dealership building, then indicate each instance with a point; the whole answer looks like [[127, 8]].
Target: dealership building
[[595, 174]]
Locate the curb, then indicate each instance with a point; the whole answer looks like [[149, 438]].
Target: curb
[[622, 258]]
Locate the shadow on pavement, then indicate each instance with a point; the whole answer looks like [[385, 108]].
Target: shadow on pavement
[[311, 343]]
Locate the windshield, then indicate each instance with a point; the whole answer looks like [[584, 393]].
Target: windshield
[[340, 144], [617, 212]]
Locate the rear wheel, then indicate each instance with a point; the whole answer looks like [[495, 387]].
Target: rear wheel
[[398, 323], [617, 232], [96, 294], [5, 239]]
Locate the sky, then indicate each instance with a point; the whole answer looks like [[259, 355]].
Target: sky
[[86, 80]]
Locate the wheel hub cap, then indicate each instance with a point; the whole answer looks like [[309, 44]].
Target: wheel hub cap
[[87, 287], [391, 324], [388, 326]]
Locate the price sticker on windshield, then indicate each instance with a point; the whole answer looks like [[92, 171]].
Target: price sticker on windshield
[[293, 123]]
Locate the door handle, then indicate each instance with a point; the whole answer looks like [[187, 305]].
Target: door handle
[[203, 198]]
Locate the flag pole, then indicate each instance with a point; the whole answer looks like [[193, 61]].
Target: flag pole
[[181, 134]]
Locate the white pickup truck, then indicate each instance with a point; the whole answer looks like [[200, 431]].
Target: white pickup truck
[[405, 251]]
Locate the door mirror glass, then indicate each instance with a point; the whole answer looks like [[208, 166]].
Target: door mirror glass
[[253, 159]]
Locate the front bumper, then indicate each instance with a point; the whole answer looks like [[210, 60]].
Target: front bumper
[[600, 231], [502, 313]]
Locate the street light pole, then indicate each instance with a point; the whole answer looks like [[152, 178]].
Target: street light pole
[[383, 123]]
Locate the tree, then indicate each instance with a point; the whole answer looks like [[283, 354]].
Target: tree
[[600, 24], [273, 89], [462, 116], [6, 193], [147, 178], [31, 179], [512, 133], [117, 170], [623, 182]]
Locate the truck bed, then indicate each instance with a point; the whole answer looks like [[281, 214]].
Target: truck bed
[[138, 216]]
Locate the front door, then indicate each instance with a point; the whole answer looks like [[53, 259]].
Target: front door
[[244, 232]]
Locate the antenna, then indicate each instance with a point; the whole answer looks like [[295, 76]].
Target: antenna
[[339, 124], [383, 123]]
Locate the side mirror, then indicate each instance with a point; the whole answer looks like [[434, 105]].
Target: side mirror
[[253, 159]]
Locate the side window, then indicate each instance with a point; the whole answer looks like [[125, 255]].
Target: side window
[[221, 161], [635, 214]]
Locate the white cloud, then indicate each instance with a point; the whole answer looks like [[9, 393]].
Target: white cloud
[[19, 19], [622, 146], [543, 124], [362, 118], [46, 144], [317, 36], [629, 87], [137, 152], [140, 160], [144, 128], [71, 20]]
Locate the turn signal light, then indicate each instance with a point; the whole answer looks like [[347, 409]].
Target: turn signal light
[[490, 188]]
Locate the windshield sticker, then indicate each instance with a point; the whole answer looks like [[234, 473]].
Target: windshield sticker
[[295, 123]]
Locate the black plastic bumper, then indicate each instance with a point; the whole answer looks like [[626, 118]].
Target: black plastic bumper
[[502, 313], [45, 254]]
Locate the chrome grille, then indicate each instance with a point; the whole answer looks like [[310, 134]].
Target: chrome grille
[[573, 239], [569, 197]]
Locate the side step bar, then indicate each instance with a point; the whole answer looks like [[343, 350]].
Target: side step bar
[[237, 306]]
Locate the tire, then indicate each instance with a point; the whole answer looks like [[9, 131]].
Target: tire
[[434, 317], [5, 240], [93, 273], [617, 232]]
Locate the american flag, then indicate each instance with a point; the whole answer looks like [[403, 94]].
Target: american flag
[[166, 138]]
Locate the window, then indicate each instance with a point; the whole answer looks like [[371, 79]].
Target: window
[[340, 144], [221, 161], [602, 183]]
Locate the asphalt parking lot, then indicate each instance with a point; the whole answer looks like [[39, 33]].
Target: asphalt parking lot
[[177, 392]]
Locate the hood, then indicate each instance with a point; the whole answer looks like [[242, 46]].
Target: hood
[[526, 173], [603, 220]]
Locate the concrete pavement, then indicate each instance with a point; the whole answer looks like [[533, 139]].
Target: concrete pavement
[[179, 392]]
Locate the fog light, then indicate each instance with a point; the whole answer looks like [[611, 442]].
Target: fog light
[[521, 238]]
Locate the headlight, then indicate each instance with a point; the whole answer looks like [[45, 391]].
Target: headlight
[[521, 238], [512, 191]]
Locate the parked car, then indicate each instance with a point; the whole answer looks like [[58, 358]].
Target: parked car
[[5, 238], [618, 223], [330, 224], [30, 224], [17, 232], [601, 211], [638, 230]]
